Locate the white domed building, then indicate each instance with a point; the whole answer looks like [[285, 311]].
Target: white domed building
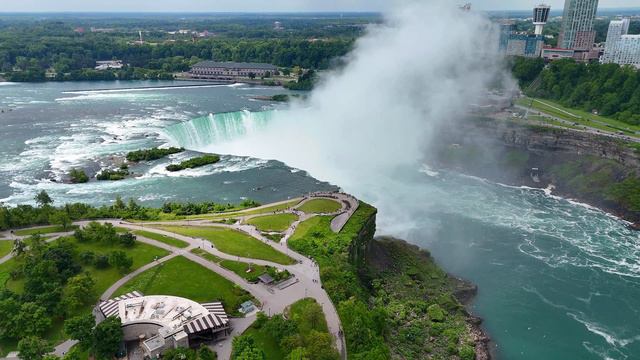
[[154, 324]]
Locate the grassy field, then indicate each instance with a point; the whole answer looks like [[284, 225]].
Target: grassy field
[[267, 343], [162, 238], [230, 214], [579, 116], [271, 345], [184, 278], [277, 222], [5, 247], [237, 267], [233, 242], [43, 230], [320, 206]]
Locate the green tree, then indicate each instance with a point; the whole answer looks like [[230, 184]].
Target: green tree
[[43, 199], [60, 218], [107, 337], [81, 328], [33, 319], [78, 291], [244, 348], [205, 353], [33, 348], [120, 260], [19, 247]]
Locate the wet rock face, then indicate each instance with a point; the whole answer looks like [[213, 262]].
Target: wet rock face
[[538, 156]]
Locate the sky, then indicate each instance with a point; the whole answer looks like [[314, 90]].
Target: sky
[[260, 5]]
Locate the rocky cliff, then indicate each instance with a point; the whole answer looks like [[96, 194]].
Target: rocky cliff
[[595, 168]]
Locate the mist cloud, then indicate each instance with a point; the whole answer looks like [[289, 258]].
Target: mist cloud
[[376, 115]]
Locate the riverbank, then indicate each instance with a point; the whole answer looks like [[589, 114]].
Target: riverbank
[[589, 168], [404, 274]]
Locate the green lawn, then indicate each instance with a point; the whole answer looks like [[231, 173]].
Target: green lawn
[[267, 343], [237, 267], [162, 238], [271, 345], [226, 215], [233, 242], [277, 222], [5, 247], [297, 313], [580, 117], [43, 230], [320, 206], [184, 278]]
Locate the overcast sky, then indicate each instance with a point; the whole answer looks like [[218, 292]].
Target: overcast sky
[[260, 5]]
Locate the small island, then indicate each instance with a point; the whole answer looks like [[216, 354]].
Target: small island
[[152, 154], [194, 163]]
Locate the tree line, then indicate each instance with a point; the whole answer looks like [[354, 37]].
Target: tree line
[[608, 89], [74, 58], [45, 213]]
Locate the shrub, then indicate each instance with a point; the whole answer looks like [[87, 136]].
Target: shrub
[[436, 313], [78, 176], [194, 163]]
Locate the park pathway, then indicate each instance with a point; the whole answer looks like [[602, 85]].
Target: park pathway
[[272, 300]]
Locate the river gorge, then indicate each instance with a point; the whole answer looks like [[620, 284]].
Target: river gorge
[[557, 279]]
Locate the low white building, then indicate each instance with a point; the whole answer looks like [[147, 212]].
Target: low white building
[[109, 64], [155, 324]]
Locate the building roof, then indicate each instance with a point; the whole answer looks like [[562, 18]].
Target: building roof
[[235, 65], [173, 313], [266, 278]]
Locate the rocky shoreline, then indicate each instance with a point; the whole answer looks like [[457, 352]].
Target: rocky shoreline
[[580, 166], [389, 256]]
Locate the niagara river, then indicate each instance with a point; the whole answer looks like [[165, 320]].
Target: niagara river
[[557, 279]]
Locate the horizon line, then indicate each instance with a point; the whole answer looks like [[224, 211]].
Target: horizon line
[[252, 12]]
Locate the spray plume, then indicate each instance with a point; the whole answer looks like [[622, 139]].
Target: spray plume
[[376, 114]]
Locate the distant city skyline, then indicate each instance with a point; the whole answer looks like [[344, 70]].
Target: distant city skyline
[[259, 5]]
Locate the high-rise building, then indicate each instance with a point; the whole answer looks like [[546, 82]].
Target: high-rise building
[[577, 24], [621, 48], [540, 17], [617, 28]]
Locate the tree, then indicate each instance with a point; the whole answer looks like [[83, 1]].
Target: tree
[[19, 247], [244, 348], [81, 328], [78, 291], [120, 260], [60, 218], [43, 199], [107, 337], [78, 176], [252, 75], [205, 353], [127, 239], [9, 308], [32, 319], [33, 348]]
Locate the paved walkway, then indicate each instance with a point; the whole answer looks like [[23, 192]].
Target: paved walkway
[[272, 300]]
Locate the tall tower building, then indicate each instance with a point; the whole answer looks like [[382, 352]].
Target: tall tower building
[[621, 48], [617, 28], [577, 24], [540, 17]]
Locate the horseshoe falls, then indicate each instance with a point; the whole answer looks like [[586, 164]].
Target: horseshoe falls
[[201, 132]]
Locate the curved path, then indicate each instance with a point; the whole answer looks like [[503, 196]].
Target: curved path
[[272, 299]]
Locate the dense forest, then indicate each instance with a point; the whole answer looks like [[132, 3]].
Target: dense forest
[[610, 89], [67, 49]]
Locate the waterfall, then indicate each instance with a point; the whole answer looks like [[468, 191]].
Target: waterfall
[[198, 133]]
